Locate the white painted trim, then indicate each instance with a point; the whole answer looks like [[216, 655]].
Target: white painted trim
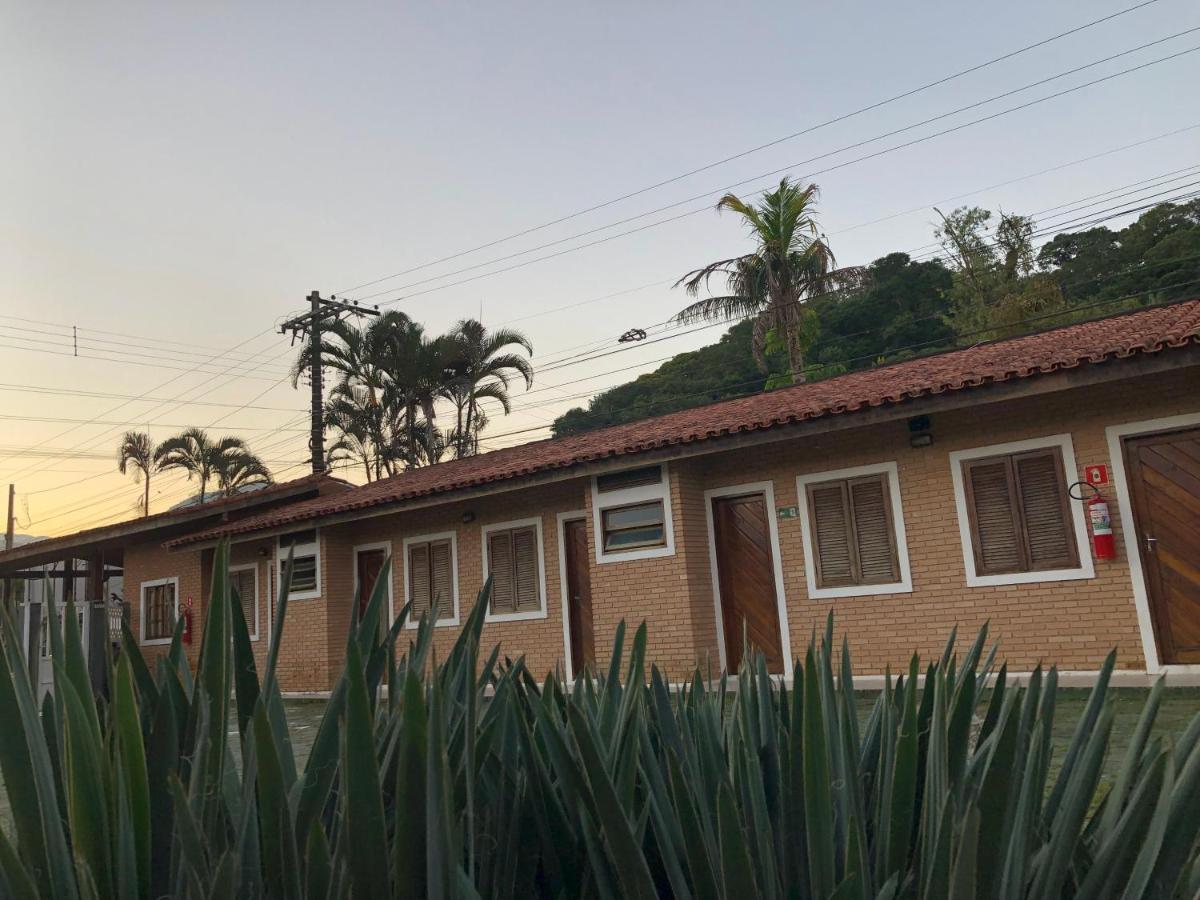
[[174, 580], [1141, 596], [536, 522], [301, 550], [767, 490], [421, 539], [560, 522], [1078, 516], [386, 547], [644, 494], [254, 568], [904, 585]]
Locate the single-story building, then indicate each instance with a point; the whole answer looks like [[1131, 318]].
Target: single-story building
[[906, 498], [88, 568]]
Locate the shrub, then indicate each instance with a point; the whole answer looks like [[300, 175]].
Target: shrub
[[468, 778]]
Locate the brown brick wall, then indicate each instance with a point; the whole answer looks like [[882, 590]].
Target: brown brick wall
[[1071, 623]]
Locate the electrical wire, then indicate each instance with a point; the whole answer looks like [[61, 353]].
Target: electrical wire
[[736, 185], [772, 143]]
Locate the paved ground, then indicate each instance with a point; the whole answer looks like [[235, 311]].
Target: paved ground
[[1178, 708]]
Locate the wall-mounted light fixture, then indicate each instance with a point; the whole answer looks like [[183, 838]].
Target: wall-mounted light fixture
[[919, 431], [468, 517]]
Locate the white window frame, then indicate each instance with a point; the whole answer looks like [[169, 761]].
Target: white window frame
[[646, 493], [156, 582], [904, 585], [767, 490], [254, 568], [301, 550], [1061, 442], [536, 522], [1115, 435], [452, 536]]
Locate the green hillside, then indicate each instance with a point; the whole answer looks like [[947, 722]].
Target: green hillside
[[986, 285]]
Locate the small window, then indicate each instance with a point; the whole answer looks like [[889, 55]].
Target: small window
[[631, 514], [853, 532], [243, 580], [853, 529], [306, 563], [1019, 513], [513, 560], [635, 526], [160, 606], [431, 579], [630, 478]]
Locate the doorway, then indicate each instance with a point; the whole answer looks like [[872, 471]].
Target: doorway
[[368, 564], [746, 576], [577, 594], [1163, 472]]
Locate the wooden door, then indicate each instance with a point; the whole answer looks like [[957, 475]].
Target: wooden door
[[1164, 481], [369, 563], [579, 596], [746, 577]]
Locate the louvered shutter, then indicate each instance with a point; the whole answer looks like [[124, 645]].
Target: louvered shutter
[[874, 540], [1049, 541], [441, 565], [243, 583], [419, 580], [525, 564], [500, 562], [992, 510], [833, 551]]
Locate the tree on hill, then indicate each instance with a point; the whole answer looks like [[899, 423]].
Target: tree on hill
[[790, 265], [906, 308]]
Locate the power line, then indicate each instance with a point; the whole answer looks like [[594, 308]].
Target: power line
[[69, 392], [740, 155], [158, 406], [912, 210], [1070, 311], [776, 172], [542, 404], [1057, 228]]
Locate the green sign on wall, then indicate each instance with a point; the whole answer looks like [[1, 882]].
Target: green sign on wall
[[788, 512]]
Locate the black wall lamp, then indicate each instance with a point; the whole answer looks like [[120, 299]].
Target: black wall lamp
[[919, 433], [468, 517]]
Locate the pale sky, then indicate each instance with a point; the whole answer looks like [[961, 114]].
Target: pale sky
[[177, 177]]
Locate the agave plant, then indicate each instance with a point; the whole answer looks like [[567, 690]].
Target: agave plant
[[466, 777]]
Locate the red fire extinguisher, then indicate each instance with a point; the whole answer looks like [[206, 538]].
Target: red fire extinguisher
[[1104, 546], [187, 621]]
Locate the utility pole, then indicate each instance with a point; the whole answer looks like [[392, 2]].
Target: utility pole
[[321, 311], [9, 538]]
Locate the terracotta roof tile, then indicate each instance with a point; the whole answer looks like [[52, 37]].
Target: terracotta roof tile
[[1143, 331]]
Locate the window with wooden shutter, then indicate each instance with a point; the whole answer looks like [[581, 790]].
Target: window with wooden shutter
[[159, 609], [852, 531], [244, 583], [1019, 513], [515, 570], [431, 578]]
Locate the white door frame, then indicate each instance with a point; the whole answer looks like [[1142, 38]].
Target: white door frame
[[560, 525], [767, 490], [386, 547], [1133, 540]]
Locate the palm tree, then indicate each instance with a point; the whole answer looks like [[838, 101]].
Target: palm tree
[[137, 450], [482, 371], [198, 455], [791, 264], [237, 469]]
